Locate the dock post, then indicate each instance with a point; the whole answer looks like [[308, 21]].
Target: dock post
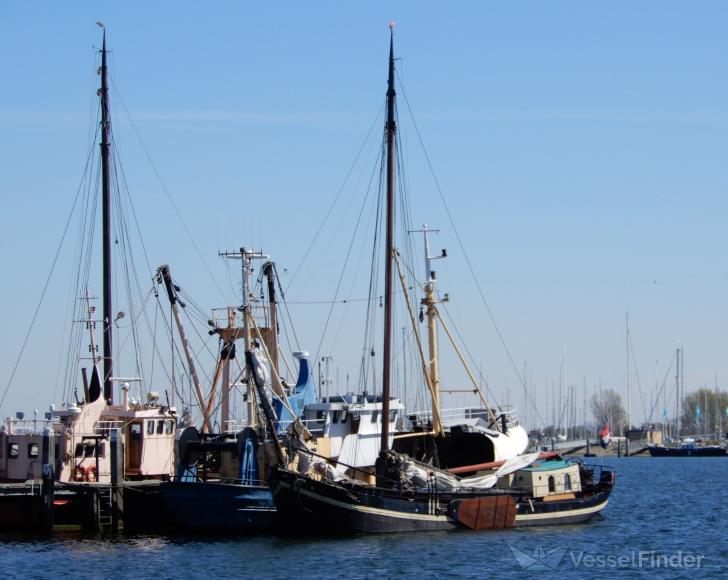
[[48, 486], [117, 499]]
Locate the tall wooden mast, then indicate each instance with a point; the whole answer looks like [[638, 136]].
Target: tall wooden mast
[[106, 225], [389, 249]]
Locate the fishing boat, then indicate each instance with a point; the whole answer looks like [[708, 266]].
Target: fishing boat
[[402, 494], [86, 449], [221, 478], [219, 483]]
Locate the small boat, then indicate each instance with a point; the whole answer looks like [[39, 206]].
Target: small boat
[[685, 446], [688, 447]]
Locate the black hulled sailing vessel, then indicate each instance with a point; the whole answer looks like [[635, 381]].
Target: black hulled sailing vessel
[[688, 448], [404, 495]]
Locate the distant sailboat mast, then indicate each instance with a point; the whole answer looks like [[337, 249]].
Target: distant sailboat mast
[[678, 397], [629, 390]]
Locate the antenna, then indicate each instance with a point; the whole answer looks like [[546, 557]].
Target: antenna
[[429, 272], [246, 257]]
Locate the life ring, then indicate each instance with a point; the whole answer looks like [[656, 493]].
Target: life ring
[[91, 474], [79, 473]]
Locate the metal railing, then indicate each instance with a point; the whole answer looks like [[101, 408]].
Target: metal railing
[[36, 427], [455, 416], [191, 478], [28, 426], [315, 426]]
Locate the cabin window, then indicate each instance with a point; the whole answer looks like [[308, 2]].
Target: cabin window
[[13, 450], [567, 482], [136, 431], [335, 418], [33, 451], [88, 450], [160, 427], [169, 424], [79, 450], [102, 449], [150, 427], [320, 415], [344, 415], [552, 484], [375, 416], [392, 416]]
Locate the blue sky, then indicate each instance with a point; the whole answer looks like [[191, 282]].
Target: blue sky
[[581, 149]]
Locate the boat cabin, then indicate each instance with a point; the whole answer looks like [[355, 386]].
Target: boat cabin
[[549, 480], [348, 428], [80, 450]]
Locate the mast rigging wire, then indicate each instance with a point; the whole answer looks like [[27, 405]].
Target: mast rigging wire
[[336, 197], [662, 387], [166, 191], [42, 295], [467, 260]]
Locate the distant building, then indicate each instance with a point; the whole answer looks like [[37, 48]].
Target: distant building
[[650, 435]]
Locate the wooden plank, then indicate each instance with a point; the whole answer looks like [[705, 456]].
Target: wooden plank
[[486, 513], [559, 496]]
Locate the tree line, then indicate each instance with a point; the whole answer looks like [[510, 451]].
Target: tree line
[[703, 412]]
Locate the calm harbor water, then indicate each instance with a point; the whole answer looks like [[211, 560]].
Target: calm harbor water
[[666, 517]]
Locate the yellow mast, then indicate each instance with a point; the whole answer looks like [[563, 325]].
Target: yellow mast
[[430, 302], [436, 423], [434, 363]]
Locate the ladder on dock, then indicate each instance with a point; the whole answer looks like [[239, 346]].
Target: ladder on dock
[[105, 509]]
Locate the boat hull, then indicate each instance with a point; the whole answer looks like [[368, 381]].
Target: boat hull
[[218, 506], [713, 451], [573, 511], [306, 504]]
